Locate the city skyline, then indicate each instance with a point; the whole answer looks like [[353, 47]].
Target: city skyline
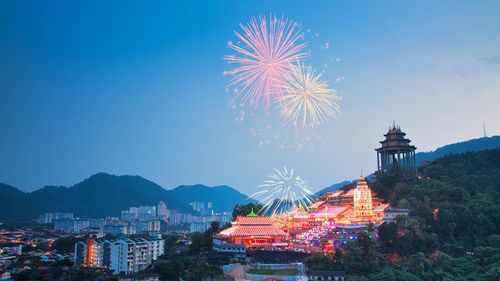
[[139, 90]]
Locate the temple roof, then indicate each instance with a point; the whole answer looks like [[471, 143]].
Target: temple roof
[[331, 211], [316, 204], [253, 221], [361, 182], [254, 230], [381, 207], [395, 138]]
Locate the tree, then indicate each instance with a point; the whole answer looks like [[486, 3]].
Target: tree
[[244, 210], [320, 261]]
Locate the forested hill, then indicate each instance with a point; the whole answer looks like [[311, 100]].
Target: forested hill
[[460, 147], [452, 231]]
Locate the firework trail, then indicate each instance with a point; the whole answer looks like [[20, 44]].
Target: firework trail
[[282, 190], [264, 60], [307, 100]]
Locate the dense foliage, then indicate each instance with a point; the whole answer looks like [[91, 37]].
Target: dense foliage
[[450, 234], [244, 210], [188, 268]]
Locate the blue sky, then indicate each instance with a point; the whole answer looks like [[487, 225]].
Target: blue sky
[[136, 87]]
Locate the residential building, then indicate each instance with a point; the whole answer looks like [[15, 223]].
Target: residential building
[[146, 226], [146, 212], [119, 228], [93, 253], [50, 217], [127, 215], [71, 225], [125, 255], [162, 210], [199, 226]]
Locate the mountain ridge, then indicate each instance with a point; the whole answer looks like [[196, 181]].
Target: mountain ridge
[[104, 194]]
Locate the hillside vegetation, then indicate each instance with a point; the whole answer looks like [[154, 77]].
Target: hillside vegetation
[[452, 232]]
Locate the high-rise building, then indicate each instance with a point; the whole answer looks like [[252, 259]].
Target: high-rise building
[[97, 223], [50, 217], [146, 226], [117, 228], [162, 210], [93, 253], [124, 255], [146, 212], [198, 206], [127, 215], [71, 225]]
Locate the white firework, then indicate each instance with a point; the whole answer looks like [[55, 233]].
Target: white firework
[[282, 190]]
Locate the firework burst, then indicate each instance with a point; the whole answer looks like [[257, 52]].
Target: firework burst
[[307, 100], [283, 190], [264, 59]]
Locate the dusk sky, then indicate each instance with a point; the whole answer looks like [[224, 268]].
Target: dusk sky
[[137, 87]]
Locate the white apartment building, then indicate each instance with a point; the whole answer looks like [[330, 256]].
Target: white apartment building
[[124, 255]]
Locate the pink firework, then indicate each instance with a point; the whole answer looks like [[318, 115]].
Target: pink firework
[[268, 49]]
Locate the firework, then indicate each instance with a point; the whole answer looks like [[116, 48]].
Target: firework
[[283, 190], [307, 100], [264, 57]]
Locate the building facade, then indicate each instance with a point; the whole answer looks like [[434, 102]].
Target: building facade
[[50, 217], [125, 255]]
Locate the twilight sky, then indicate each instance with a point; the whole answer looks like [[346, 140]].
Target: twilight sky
[[136, 87]]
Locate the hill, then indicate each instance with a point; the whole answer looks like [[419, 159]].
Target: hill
[[106, 195], [451, 232], [460, 147], [454, 219]]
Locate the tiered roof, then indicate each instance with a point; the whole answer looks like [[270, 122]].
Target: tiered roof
[[381, 207], [330, 211], [252, 226], [395, 139]]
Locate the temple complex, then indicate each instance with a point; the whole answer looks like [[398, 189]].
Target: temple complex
[[338, 216]]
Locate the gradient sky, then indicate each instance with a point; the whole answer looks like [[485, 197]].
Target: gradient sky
[[136, 87]]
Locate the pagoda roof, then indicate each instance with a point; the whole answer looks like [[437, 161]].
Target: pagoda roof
[[252, 230], [331, 211], [381, 207], [349, 193], [395, 138], [316, 204], [258, 220], [336, 193]]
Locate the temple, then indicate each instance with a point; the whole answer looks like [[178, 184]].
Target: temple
[[331, 221], [251, 231], [396, 150]]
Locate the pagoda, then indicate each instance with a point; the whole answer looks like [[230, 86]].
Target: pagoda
[[362, 205], [396, 150]]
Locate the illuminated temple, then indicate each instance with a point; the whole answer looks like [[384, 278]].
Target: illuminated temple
[[338, 216], [251, 231]]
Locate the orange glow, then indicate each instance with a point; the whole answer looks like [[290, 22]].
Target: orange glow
[[90, 251]]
